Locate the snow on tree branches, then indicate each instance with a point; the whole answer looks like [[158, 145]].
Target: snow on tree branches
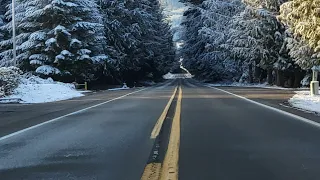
[[242, 41], [303, 19], [84, 40]]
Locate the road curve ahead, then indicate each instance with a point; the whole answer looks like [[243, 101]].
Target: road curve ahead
[[179, 130]]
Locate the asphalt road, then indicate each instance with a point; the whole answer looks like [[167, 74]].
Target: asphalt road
[[222, 136], [111, 141]]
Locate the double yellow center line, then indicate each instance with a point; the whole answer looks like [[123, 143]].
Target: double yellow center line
[[170, 164], [168, 169], [158, 126]]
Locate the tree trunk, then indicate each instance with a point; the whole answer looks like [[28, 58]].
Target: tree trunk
[[280, 78], [250, 73], [269, 76], [291, 80], [298, 76], [257, 74]]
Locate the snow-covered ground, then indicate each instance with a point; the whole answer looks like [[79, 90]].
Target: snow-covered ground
[[175, 76], [168, 76], [124, 87], [37, 90], [304, 100]]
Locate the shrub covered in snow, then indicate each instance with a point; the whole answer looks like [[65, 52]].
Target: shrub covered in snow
[[9, 79], [47, 70], [306, 80], [33, 89]]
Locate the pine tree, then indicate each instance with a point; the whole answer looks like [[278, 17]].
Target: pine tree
[[1, 24], [58, 37], [157, 41], [138, 41], [193, 45], [2, 61], [3, 6], [3, 33], [206, 30], [256, 38], [303, 19], [302, 53]]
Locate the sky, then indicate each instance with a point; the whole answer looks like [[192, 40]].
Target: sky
[[174, 10]]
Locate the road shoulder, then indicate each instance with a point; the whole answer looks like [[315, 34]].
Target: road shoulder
[[15, 117], [272, 97]]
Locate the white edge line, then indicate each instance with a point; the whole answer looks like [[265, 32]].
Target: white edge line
[[61, 117], [271, 108]]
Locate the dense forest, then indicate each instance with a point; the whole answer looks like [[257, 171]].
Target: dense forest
[[88, 40], [252, 41]]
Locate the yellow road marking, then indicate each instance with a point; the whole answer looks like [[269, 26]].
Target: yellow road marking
[[152, 171], [170, 165], [168, 170], [157, 127]]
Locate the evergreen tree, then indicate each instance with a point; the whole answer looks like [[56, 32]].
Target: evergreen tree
[[206, 32], [225, 41], [256, 39], [3, 33], [139, 42], [3, 6], [58, 37], [1, 24], [302, 53], [303, 19]]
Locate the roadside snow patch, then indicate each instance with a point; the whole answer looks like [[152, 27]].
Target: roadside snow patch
[[305, 101], [37, 90], [124, 87], [168, 76]]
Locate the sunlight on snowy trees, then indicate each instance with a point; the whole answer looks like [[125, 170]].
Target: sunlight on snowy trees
[[245, 41], [303, 19], [253, 41]]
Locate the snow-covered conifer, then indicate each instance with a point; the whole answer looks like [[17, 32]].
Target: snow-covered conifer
[[206, 31], [47, 29], [302, 17]]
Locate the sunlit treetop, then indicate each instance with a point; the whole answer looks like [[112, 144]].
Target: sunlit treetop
[[303, 19]]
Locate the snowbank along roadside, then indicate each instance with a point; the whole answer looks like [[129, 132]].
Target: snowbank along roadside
[[304, 100], [38, 90], [301, 100]]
